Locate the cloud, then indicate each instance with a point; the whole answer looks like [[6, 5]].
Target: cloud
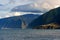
[[1, 5], [9, 4], [17, 14], [49, 3], [26, 8], [7, 16], [38, 5]]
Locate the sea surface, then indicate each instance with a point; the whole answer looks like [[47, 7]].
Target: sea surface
[[29, 34]]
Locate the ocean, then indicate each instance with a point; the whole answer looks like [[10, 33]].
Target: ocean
[[29, 34]]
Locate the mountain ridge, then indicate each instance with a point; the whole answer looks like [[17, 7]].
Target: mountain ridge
[[52, 16], [16, 21]]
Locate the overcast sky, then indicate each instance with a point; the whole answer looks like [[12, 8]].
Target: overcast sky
[[7, 5]]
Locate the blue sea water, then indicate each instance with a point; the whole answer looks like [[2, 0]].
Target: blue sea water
[[29, 34]]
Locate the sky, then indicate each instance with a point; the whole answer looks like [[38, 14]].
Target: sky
[[43, 5]]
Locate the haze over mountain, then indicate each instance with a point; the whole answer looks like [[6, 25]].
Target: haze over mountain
[[52, 16], [16, 21]]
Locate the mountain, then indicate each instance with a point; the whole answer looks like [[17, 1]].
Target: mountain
[[29, 17], [11, 22], [16, 21], [52, 16]]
